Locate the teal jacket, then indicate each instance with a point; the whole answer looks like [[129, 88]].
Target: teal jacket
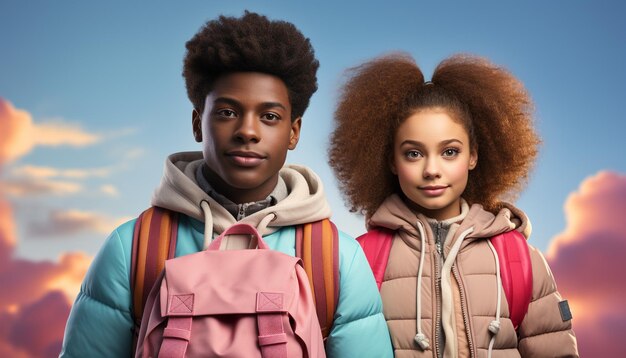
[[101, 324]]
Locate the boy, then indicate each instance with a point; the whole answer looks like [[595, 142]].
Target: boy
[[250, 80]]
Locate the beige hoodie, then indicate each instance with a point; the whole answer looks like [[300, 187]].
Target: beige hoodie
[[459, 290], [178, 191]]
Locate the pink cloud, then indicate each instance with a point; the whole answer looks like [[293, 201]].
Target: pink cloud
[[587, 260], [70, 222], [19, 134], [36, 296]]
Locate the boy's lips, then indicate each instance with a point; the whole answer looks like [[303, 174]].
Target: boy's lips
[[433, 190], [245, 158]]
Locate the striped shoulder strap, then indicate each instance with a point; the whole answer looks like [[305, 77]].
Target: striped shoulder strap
[[154, 241], [317, 244]]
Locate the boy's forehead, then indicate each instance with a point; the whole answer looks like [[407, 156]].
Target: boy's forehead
[[249, 86]]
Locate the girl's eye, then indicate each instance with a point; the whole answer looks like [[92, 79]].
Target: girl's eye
[[450, 152], [226, 113], [413, 154], [271, 116]]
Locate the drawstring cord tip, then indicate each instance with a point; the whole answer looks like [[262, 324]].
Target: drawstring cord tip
[[494, 327], [422, 341]]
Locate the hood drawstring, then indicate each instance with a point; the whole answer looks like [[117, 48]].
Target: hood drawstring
[[494, 326], [208, 223], [265, 222], [420, 338]]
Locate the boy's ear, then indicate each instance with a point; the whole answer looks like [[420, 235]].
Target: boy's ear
[[473, 160], [196, 125], [294, 136]]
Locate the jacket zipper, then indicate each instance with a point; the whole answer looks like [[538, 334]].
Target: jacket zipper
[[436, 260], [438, 264], [457, 276]]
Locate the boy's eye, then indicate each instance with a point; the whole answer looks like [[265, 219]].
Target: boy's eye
[[271, 116], [413, 154], [226, 113], [450, 152]]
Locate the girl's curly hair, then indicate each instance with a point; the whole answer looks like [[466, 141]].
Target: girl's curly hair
[[486, 99], [251, 43]]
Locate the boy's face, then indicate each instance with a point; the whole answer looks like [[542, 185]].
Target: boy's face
[[246, 130]]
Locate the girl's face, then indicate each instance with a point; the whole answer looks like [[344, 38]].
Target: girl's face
[[432, 159]]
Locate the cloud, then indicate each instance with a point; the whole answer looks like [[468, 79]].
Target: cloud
[[15, 132], [587, 260], [19, 134], [36, 296], [56, 133], [109, 190], [36, 187], [38, 172], [70, 222], [36, 326]]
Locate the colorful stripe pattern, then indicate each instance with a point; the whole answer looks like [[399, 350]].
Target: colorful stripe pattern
[[318, 245], [154, 241]]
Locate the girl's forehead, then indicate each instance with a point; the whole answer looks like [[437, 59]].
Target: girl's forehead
[[429, 123]]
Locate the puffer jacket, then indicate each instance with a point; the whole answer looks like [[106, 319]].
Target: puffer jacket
[[101, 323], [447, 301]]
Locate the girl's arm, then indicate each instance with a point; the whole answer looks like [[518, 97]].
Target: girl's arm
[[547, 328]]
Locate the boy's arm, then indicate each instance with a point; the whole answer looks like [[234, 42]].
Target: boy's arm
[[359, 329], [546, 331], [100, 323]]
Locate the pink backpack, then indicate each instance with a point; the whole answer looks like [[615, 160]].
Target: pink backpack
[[515, 266], [237, 303]]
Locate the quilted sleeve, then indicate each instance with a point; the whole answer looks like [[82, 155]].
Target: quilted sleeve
[[100, 322], [359, 328], [546, 331]]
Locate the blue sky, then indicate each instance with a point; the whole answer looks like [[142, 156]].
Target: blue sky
[[113, 69]]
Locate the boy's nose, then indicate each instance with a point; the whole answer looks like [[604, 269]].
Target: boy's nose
[[248, 129]]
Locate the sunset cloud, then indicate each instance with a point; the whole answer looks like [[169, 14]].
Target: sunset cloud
[[587, 260], [70, 222], [38, 172], [109, 190], [36, 187], [36, 296], [19, 134]]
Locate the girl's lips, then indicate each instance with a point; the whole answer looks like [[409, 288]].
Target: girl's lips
[[433, 190]]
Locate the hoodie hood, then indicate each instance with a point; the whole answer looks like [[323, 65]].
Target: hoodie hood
[[394, 214], [179, 191]]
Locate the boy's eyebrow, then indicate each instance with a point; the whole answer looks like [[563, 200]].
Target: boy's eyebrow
[[234, 102]]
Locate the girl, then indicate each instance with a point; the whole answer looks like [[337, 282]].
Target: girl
[[430, 162]]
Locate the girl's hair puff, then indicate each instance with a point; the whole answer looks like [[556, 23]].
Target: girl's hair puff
[[366, 119], [487, 100]]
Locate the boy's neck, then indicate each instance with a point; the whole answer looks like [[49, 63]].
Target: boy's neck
[[239, 210]]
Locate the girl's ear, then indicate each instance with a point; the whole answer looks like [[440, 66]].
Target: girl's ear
[[392, 166], [473, 159]]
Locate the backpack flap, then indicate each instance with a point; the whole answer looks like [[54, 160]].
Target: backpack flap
[[215, 280]]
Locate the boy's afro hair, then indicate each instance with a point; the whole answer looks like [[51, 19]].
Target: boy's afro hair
[[251, 43]]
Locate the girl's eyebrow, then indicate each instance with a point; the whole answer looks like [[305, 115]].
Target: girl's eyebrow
[[442, 143]]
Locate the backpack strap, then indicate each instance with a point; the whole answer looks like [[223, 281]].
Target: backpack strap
[[513, 254], [154, 241], [376, 244], [317, 244], [515, 272]]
